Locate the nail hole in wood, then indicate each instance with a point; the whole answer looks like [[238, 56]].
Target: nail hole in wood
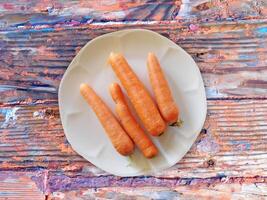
[[210, 163]]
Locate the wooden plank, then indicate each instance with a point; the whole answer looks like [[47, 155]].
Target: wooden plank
[[22, 185], [217, 189], [232, 142], [39, 39], [231, 56], [31, 13]]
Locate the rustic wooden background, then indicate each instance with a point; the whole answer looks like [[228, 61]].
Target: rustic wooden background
[[227, 39]]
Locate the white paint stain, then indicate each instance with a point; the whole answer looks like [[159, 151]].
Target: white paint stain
[[208, 145], [164, 194], [10, 117], [93, 170], [39, 114], [59, 195], [187, 6], [10, 180]]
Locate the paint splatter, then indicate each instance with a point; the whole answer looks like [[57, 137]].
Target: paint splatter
[[241, 145], [65, 148], [208, 144], [262, 30], [163, 195], [193, 27], [10, 116], [8, 6], [39, 114], [58, 195]]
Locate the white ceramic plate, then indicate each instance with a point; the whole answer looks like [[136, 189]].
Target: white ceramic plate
[[81, 126]]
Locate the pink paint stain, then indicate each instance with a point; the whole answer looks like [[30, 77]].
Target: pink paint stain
[[74, 23], [8, 6], [193, 27]]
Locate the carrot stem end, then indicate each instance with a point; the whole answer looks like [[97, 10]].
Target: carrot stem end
[[179, 123]]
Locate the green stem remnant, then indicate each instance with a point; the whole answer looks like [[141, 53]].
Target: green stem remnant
[[179, 123]]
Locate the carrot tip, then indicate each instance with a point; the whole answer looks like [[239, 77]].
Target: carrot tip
[[112, 54], [83, 86], [179, 123]]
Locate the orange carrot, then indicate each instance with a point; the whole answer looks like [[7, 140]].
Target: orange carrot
[[164, 99], [130, 125], [119, 138], [145, 108]]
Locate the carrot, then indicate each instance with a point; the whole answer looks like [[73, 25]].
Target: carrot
[[130, 125], [164, 99], [145, 108], [119, 138]]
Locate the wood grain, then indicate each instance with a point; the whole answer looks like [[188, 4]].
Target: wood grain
[[232, 142], [31, 13], [231, 56], [227, 39], [22, 185], [218, 190]]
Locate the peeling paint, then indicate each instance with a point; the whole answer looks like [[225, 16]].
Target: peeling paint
[[65, 148], [241, 145], [10, 116], [39, 114], [15, 185], [167, 194], [208, 144], [193, 27], [226, 38], [262, 30]]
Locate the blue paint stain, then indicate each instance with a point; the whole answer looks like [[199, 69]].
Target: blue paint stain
[[247, 57], [66, 142], [111, 195], [65, 50], [7, 193], [252, 60], [213, 92], [252, 64], [10, 116], [43, 30], [2, 44], [262, 30], [3, 112], [188, 181], [86, 19], [220, 175], [41, 20], [241, 145], [35, 169], [50, 10], [26, 33], [167, 195]]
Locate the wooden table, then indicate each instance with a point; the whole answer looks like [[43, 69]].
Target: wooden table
[[227, 39]]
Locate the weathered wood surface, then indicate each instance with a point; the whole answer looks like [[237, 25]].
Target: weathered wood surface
[[232, 143], [223, 189], [227, 39], [14, 13], [231, 56], [22, 185]]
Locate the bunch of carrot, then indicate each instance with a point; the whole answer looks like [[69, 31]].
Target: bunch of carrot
[[125, 132]]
